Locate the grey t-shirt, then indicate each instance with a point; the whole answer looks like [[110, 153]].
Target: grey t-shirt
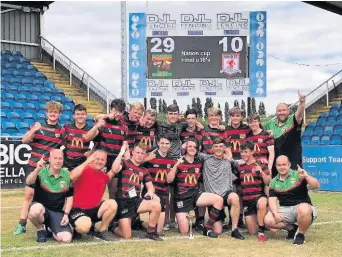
[[173, 131], [217, 174]]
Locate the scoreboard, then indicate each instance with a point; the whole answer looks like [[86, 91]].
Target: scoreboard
[[197, 54]]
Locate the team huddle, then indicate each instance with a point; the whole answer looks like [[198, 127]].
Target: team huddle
[[166, 170]]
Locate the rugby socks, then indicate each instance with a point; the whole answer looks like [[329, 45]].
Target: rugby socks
[[151, 229], [213, 216], [22, 222], [261, 229]]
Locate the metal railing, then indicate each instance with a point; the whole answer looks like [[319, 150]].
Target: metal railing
[[95, 91], [321, 91]]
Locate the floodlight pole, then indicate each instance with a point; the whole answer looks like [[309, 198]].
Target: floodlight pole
[[123, 52]]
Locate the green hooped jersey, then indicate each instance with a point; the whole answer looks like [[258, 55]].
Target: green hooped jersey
[[292, 191], [52, 191]]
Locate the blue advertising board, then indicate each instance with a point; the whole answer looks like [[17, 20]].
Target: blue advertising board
[[325, 164], [257, 54], [137, 55]]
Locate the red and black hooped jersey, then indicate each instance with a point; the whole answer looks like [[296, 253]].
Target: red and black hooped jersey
[[251, 180], [261, 142], [75, 144], [130, 178], [111, 136], [132, 127], [158, 168], [46, 139], [185, 134], [208, 135], [235, 137], [146, 136], [187, 177]]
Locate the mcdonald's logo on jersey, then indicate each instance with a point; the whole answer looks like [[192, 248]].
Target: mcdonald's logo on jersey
[[161, 176], [77, 142], [190, 180], [146, 141], [236, 145], [134, 178], [256, 148], [248, 178]]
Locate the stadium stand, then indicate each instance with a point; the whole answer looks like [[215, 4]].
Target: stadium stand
[[327, 130]]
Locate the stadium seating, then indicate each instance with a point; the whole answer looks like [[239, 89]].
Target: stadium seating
[[24, 93]]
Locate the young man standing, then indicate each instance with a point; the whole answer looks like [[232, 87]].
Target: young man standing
[[111, 134], [191, 131], [218, 179], [186, 174], [290, 188], [130, 175], [89, 185], [263, 142], [52, 199], [146, 134], [159, 167], [76, 147], [253, 176], [42, 138]]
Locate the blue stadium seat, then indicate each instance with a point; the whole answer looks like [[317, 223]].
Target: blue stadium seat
[[22, 127], [47, 90], [30, 67], [336, 140], [308, 131], [17, 107], [331, 121], [328, 130], [5, 72], [324, 115], [325, 140], [67, 108], [25, 89], [13, 89], [29, 121], [3, 114], [40, 107], [339, 120], [58, 92], [321, 122], [338, 130], [16, 53], [64, 117], [5, 79], [27, 81], [335, 106], [38, 82], [30, 106], [68, 113], [9, 127], [6, 135], [48, 83], [39, 116], [30, 74], [56, 98], [334, 113], [24, 60], [318, 131], [27, 115], [13, 116], [7, 96], [36, 90], [10, 102], [3, 87], [5, 106], [315, 140], [21, 67], [67, 100], [40, 75], [305, 140], [15, 80], [19, 72], [44, 98], [32, 98], [19, 97]]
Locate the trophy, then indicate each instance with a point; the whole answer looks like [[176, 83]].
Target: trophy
[[190, 217]]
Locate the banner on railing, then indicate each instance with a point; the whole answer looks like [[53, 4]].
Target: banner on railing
[[325, 164], [137, 55], [257, 55], [14, 157]]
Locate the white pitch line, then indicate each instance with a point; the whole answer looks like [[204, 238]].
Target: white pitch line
[[10, 207], [329, 211], [56, 246], [120, 241]]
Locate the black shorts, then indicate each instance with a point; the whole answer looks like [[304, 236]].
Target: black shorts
[[163, 201], [76, 213], [188, 203], [250, 207], [127, 208], [73, 163], [222, 215], [52, 219]]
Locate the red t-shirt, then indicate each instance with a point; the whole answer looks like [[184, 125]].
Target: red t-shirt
[[89, 188]]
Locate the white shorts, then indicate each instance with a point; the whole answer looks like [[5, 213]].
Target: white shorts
[[290, 214]]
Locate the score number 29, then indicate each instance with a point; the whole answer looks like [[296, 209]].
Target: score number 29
[[166, 45], [236, 44]]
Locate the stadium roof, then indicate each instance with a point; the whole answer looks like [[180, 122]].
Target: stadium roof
[[42, 5], [335, 6]]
